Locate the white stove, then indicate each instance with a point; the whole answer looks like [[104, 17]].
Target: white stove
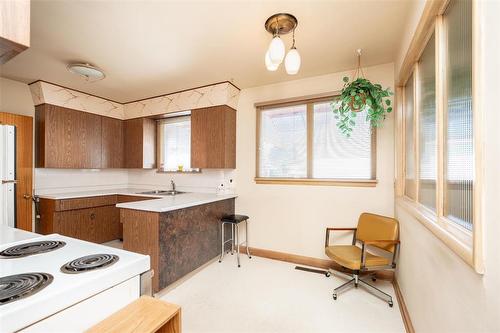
[[72, 298]]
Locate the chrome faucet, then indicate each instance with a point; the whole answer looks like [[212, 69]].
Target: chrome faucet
[[173, 185]]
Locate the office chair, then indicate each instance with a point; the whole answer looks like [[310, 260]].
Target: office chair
[[379, 232]]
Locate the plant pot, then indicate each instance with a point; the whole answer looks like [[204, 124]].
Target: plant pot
[[351, 103]]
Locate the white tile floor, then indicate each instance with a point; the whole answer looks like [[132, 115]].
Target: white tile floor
[[271, 296]]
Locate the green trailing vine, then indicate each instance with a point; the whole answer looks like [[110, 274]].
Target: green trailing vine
[[358, 96]]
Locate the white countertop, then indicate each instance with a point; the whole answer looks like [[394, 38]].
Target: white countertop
[[179, 201], [97, 193]]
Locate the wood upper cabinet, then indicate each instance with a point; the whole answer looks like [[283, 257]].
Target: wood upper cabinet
[[140, 143], [112, 143], [14, 28], [67, 138], [213, 138]]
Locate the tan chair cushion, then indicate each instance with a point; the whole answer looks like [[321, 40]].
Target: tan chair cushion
[[349, 256]]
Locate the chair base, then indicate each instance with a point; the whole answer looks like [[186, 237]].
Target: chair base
[[355, 281]]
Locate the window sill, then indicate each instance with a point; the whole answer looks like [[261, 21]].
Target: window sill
[[317, 182], [458, 240]]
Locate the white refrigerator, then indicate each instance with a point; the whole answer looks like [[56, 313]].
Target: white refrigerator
[[8, 175]]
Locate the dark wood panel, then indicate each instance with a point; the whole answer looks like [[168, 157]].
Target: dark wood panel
[[87, 202], [141, 235], [189, 238], [121, 198], [107, 224], [79, 224], [140, 143], [24, 167], [213, 137], [112, 143], [71, 139]]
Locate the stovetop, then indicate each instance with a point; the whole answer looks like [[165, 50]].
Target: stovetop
[[64, 289], [30, 248], [18, 286]]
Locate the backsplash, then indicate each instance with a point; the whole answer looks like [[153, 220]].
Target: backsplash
[[49, 181], [206, 182]]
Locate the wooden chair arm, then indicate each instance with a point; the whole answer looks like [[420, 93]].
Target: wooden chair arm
[[327, 238]]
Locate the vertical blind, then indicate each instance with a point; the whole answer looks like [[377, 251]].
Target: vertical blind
[[334, 154], [283, 142], [427, 126], [459, 162], [409, 144], [175, 143]]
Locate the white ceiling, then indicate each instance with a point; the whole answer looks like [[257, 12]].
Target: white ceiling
[[149, 48]]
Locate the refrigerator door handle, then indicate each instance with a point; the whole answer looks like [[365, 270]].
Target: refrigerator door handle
[[13, 181]]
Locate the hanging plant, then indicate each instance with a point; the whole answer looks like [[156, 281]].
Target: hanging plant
[[361, 95]]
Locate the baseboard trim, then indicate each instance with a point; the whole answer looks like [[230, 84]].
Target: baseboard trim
[[307, 261], [402, 308]]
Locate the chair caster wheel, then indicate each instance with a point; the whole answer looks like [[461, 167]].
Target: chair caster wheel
[[250, 257], [334, 297], [220, 261], [239, 266], [355, 285], [327, 274], [390, 304], [374, 279]]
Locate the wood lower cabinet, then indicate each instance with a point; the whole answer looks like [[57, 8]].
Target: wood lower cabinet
[[213, 138], [94, 219], [112, 153], [140, 143], [67, 138]]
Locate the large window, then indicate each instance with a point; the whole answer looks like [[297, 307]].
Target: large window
[[174, 144], [439, 146], [409, 138], [427, 126], [459, 159], [301, 143]]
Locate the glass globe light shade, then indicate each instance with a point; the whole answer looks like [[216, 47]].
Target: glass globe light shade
[[269, 64], [276, 50], [292, 61]]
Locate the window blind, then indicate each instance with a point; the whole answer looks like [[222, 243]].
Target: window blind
[[175, 143], [459, 162], [409, 144], [283, 142], [334, 154], [427, 126]]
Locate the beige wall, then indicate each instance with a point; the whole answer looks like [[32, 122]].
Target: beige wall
[[443, 293], [15, 97], [293, 218]]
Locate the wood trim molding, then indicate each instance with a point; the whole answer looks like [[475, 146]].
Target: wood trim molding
[[317, 182], [308, 261], [424, 29], [24, 167], [297, 100], [405, 314]]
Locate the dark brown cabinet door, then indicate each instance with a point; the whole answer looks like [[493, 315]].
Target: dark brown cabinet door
[[213, 138], [140, 143], [112, 143], [107, 224], [80, 224], [67, 138]]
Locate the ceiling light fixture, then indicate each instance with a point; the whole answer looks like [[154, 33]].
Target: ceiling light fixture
[[88, 71], [278, 25]]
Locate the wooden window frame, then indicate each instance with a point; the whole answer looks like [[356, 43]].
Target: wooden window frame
[[309, 101], [468, 245]]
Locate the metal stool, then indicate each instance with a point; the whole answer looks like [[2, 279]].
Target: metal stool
[[234, 221]]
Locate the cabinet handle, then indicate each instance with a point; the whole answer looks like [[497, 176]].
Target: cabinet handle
[[26, 196], [92, 216]]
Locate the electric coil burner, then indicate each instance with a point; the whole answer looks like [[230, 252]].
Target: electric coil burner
[[28, 249], [89, 263], [15, 287]]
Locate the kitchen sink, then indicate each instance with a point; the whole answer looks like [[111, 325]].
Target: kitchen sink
[[162, 192]]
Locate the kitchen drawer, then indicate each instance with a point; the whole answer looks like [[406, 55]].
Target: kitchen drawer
[[87, 202]]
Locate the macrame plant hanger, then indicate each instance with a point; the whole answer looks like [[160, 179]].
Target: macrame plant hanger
[[359, 71]]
